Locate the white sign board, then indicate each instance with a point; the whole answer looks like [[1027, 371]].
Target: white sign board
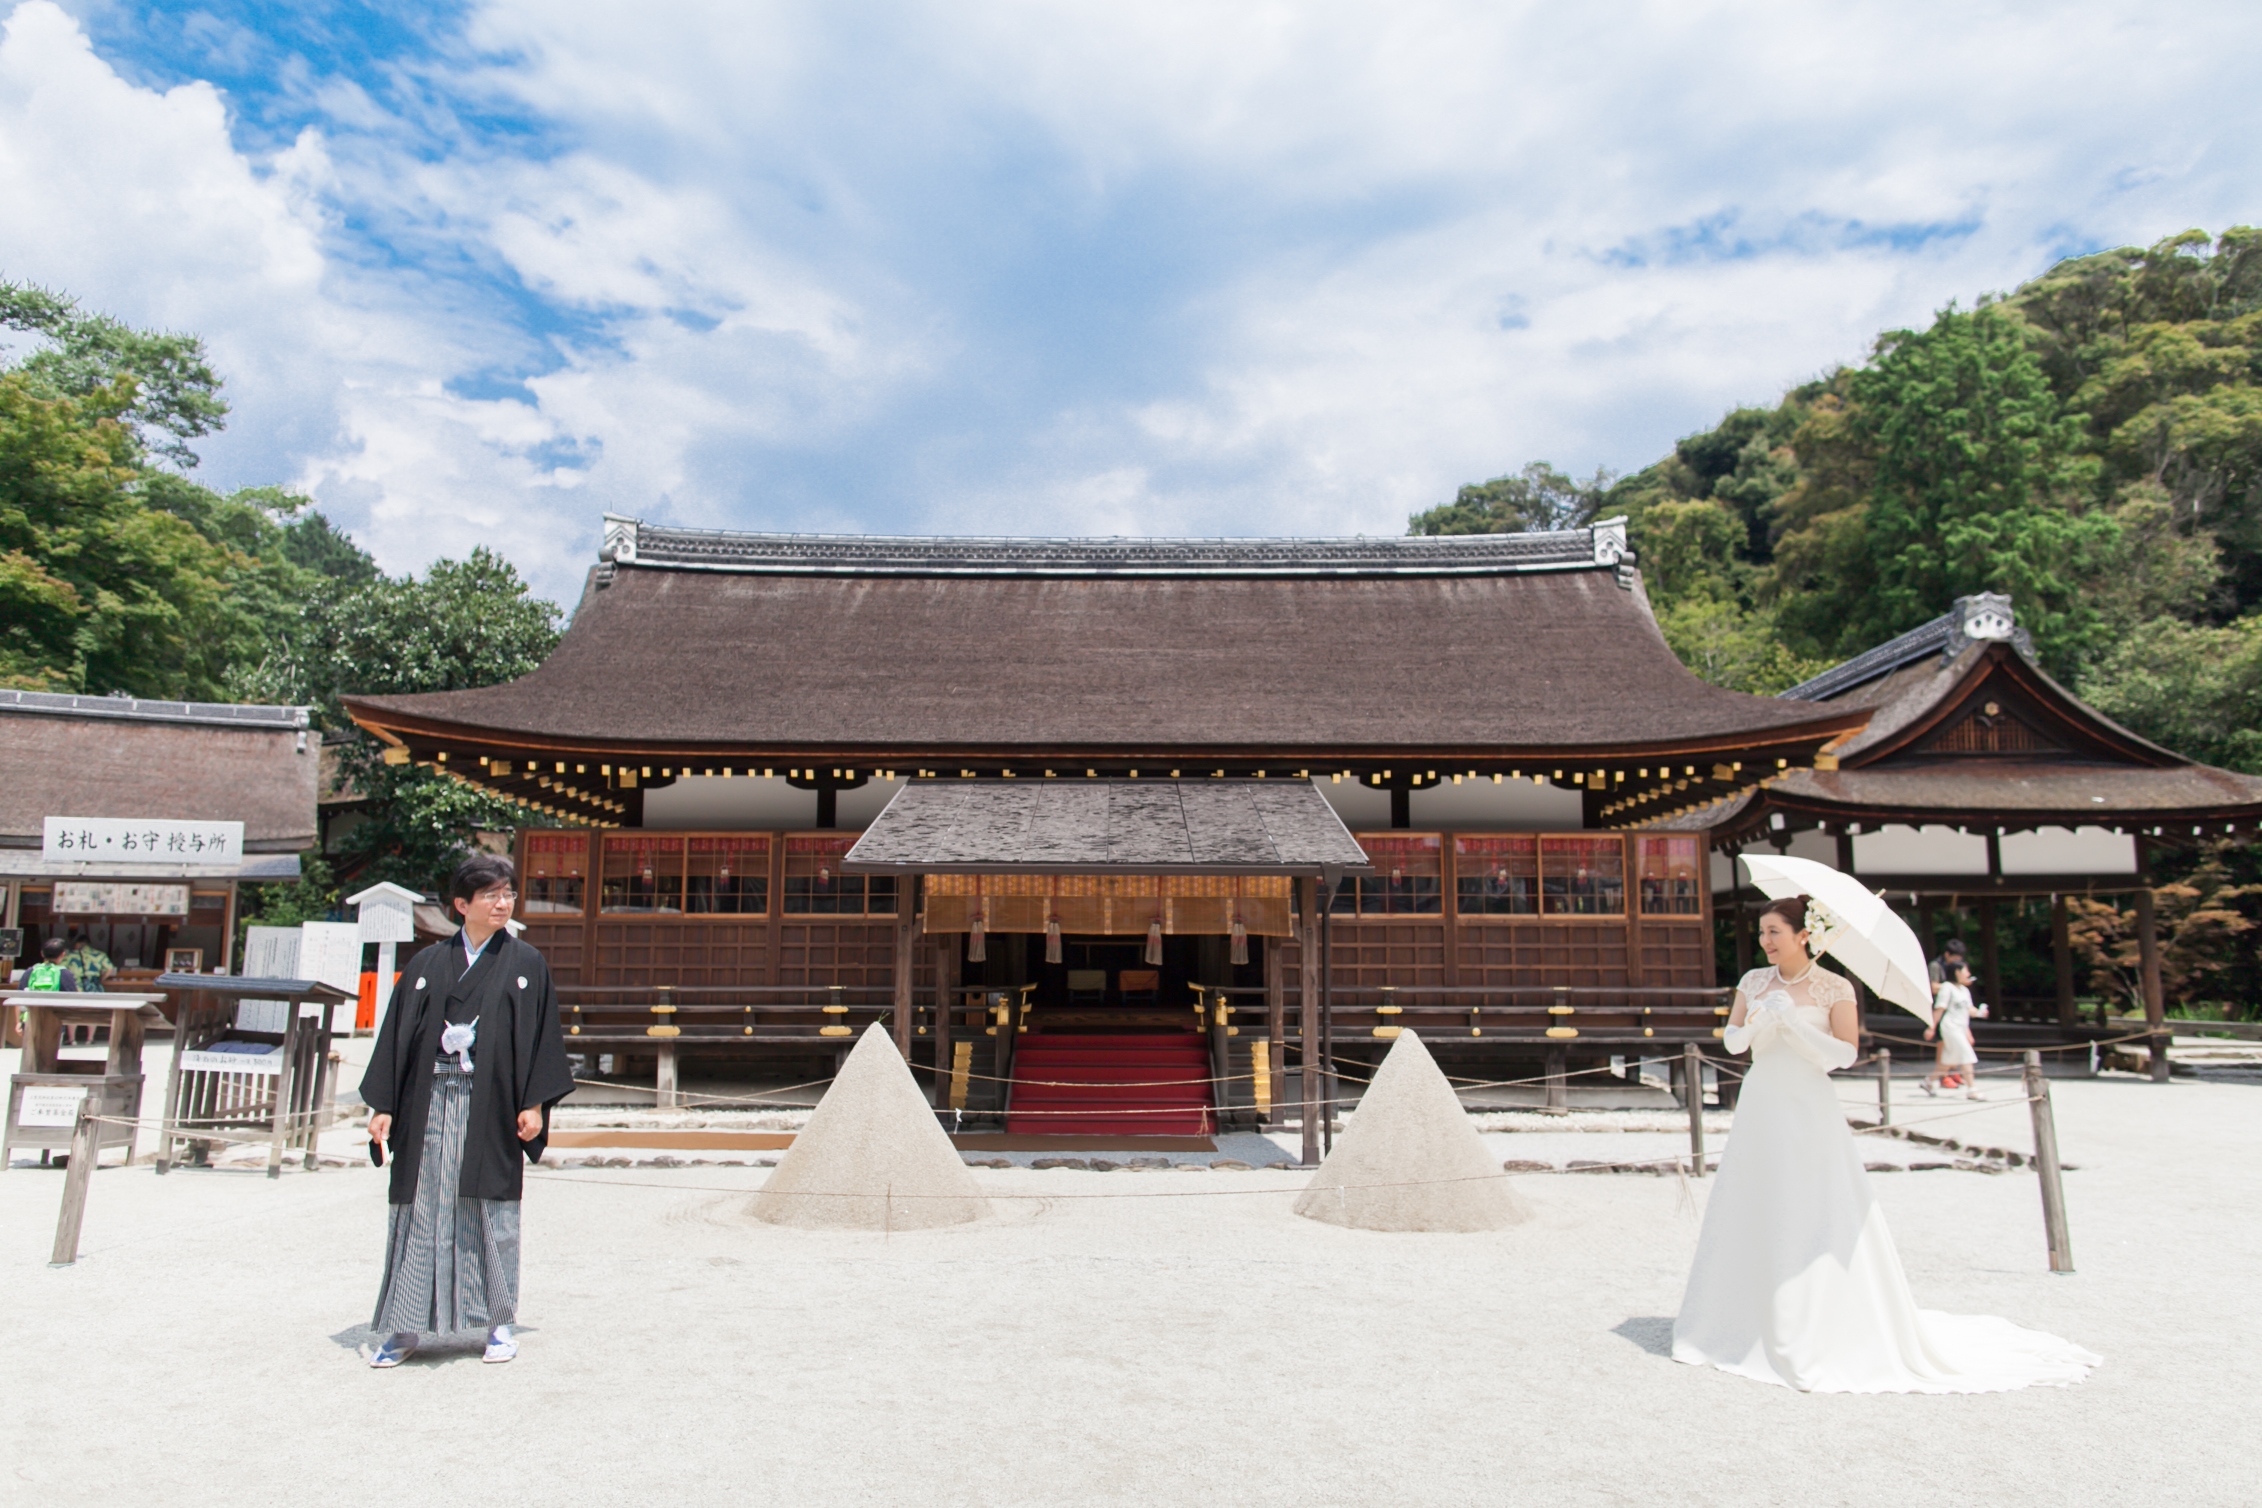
[[49, 1105], [129, 840], [263, 1016], [271, 953], [99, 898], [331, 952], [235, 1062], [387, 914]]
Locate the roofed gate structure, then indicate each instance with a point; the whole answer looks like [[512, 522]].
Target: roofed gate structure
[[1979, 780], [729, 713]]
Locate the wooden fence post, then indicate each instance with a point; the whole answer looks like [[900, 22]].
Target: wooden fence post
[[2046, 1165], [1308, 1011], [1692, 1075], [2148, 964], [1884, 1086], [86, 1147]]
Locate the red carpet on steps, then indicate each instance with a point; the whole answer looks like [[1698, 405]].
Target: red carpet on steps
[[1107, 1086]]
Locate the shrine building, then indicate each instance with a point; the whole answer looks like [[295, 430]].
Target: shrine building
[[1054, 801]]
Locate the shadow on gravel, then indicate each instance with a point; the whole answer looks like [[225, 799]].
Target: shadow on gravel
[[1652, 1332], [433, 1349]]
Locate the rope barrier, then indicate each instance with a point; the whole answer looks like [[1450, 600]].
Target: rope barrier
[[1033, 1198]]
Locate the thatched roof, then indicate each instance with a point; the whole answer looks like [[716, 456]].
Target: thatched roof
[[90, 756], [893, 649]]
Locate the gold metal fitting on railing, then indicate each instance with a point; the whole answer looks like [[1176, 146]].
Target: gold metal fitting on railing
[[663, 1008]]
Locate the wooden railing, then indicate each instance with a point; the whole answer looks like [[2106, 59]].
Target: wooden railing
[[655, 1015]]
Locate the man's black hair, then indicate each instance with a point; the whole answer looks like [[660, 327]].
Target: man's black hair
[[1952, 945], [51, 949], [478, 872]]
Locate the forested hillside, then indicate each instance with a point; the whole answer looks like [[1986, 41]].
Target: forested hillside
[[2090, 443]]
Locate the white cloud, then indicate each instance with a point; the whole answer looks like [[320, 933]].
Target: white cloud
[[1062, 268]]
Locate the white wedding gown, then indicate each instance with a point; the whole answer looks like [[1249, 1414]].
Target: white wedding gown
[[1796, 1280]]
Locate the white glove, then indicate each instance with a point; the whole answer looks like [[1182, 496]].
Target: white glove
[[1760, 1015], [1823, 1049]]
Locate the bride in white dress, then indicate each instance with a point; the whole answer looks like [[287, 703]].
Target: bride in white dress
[[1796, 1280]]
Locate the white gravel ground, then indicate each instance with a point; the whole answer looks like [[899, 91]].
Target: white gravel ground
[[1210, 1351]]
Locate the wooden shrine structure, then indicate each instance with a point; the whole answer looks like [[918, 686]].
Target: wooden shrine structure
[[1980, 780], [708, 754]]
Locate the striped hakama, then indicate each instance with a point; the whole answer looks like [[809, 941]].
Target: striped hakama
[[450, 1264]]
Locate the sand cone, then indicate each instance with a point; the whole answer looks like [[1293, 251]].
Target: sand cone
[[873, 1135], [1410, 1159]]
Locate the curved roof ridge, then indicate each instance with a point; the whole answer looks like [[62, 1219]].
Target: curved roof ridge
[[633, 542], [1974, 619]]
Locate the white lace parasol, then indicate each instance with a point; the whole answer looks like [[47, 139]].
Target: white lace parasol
[[1852, 923]]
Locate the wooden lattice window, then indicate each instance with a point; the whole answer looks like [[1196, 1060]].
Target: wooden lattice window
[[642, 873], [557, 873], [1407, 878], [727, 874], [814, 885], [1582, 876], [1671, 871], [1992, 729], [1497, 876]]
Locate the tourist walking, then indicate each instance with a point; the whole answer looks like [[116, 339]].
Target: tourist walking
[[1796, 1280], [1956, 1061], [467, 1065], [1952, 957]]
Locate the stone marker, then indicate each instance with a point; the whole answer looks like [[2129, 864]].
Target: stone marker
[[1410, 1161], [872, 1134]]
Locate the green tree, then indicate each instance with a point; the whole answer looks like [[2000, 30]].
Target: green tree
[[1950, 467], [466, 623], [2197, 689], [173, 395], [1537, 498]]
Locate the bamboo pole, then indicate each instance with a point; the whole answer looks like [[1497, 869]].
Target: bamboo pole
[[2046, 1165]]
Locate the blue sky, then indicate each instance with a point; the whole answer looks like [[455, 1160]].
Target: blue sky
[[481, 272]]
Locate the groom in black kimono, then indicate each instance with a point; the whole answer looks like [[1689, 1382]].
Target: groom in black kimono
[[467, 1065]]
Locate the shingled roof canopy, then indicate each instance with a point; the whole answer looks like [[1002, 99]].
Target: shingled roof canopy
[[1108, 826], [882, 649], [1967, 730]]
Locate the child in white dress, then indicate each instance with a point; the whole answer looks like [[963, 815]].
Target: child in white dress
[[1952, 1011]]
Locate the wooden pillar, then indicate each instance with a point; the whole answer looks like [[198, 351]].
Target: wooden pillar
[[2155, 999], [2061, 955], [1276, 1021], [1990, 954], [1845, 836], [906, 939], [1327, 1016], [946, 1006], [1308, 1024]]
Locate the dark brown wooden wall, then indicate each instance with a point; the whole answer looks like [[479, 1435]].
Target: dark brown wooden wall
[[1439, 949]]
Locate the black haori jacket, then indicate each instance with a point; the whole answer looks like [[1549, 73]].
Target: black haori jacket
[[518, 1061]]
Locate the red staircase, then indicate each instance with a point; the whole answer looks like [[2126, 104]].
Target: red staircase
[[1111, 1086]]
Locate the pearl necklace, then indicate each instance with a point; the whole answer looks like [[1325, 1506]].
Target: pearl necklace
[[1779, 974]]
